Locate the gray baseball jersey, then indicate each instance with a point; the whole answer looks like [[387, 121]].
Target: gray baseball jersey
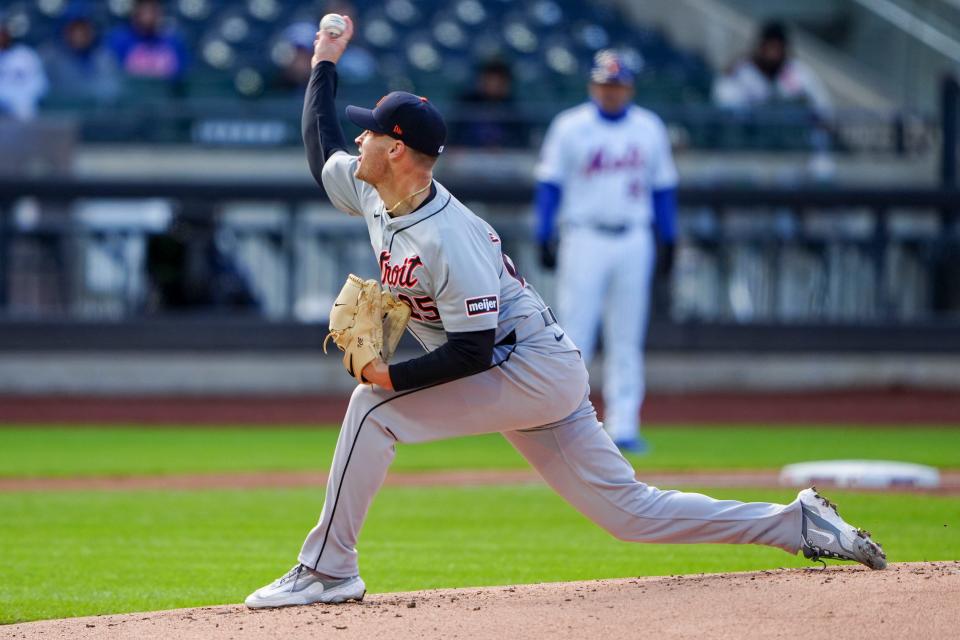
[[448, 264], [444, 261]]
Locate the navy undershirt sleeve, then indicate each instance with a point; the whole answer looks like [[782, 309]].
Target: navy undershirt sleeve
[[464, 353], [321, 130]]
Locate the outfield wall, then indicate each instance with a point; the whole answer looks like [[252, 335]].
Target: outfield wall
[[272, 373]]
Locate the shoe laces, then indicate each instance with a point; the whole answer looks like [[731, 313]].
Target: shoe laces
[[293, 574]]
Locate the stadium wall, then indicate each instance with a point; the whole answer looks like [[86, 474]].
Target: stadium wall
[[279, 374]]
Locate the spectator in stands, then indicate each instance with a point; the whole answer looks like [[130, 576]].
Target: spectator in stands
[[23, 81], [144, 48], [488, 117], [294, 73], [770, 75], [356, 65], [80, 68]]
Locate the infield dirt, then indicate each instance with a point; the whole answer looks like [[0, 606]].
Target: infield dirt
[[868, 407], [917, 600]]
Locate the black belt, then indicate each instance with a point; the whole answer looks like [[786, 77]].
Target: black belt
[[613, 229], [546, 315]]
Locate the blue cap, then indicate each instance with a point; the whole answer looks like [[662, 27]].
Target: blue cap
[[76, 11], [406, 117], [611, 67]]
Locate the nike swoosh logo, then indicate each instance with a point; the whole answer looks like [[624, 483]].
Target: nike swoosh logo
[[559, 337], [822, 526], [339, 304]]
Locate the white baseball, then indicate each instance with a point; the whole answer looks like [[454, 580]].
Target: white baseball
[[333, 25]]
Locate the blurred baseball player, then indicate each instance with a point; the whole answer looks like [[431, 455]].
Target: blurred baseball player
[[606, 167], [496, 361]]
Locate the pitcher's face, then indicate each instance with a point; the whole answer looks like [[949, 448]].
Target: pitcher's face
[[372, 164]]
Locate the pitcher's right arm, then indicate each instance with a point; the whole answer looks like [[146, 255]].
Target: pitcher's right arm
[[331, 165]]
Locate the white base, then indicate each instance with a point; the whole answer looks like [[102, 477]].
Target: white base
[[868, 474]]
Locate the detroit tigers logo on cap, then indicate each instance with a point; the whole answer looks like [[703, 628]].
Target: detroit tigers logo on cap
[[407, 117]]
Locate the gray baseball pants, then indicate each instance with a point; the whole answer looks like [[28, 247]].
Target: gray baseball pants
[[537, 396]]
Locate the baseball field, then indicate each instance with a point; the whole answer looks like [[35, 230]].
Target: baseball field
[[105, 520]]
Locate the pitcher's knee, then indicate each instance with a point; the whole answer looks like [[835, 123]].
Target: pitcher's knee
[[362, 413], [363, 398], [614, 524], [617, 530]]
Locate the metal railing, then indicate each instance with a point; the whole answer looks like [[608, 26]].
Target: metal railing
[[265, 260], [918, 27], [276, 123]]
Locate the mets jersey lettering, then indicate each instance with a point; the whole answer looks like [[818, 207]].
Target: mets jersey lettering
[[602, 160], [624, 160]]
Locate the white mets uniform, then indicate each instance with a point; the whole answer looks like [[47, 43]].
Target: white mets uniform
[[449, 264], [608, 170]]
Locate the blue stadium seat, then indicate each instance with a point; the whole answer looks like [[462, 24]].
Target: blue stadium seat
[[433, 46]]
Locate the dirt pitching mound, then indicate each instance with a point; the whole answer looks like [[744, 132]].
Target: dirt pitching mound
[[907, 600]]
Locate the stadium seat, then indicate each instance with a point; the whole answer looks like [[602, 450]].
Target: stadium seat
[[431, 46]]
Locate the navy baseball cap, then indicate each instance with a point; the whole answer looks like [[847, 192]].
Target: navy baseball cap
[[611, 67], [406, 117]]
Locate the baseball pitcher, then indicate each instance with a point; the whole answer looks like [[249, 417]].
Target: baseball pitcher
[[496, 361]]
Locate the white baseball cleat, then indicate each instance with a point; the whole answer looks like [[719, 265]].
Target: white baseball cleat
[[826, 535], [301, 586]]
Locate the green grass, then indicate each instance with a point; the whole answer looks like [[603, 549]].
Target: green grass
[[79, 553], [82, 553], [39, 451]]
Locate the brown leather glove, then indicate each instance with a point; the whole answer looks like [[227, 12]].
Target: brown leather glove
[[366, 323]]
